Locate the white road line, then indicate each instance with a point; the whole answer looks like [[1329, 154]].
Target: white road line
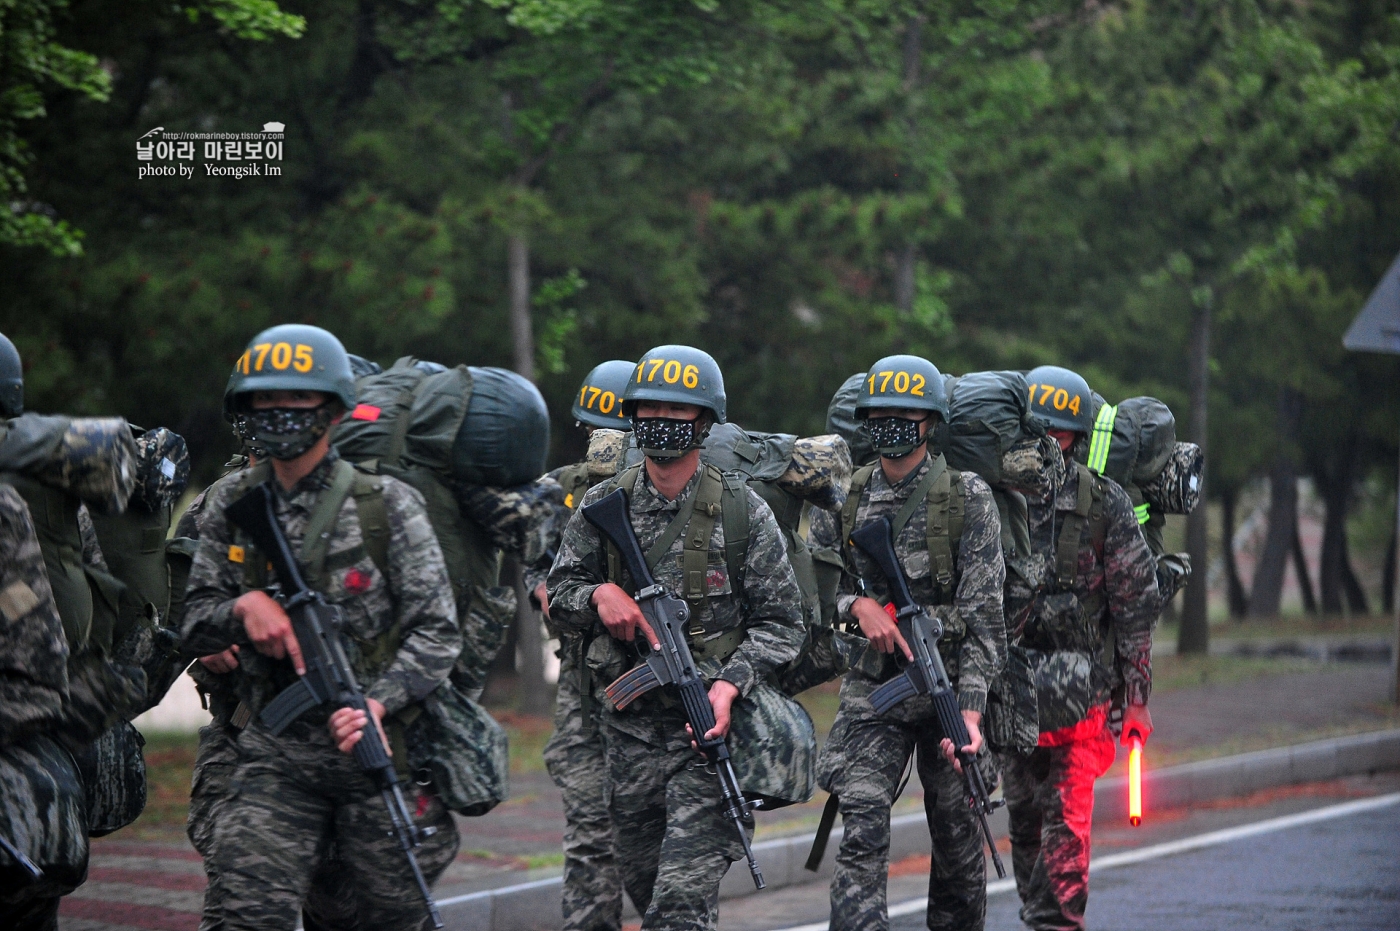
[[1211, 839]]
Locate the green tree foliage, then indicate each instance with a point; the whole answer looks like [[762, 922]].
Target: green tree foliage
[[799, 188]]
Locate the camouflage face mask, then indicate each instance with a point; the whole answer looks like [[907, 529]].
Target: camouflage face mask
[[893, 437], [284, 432], [665, 437]]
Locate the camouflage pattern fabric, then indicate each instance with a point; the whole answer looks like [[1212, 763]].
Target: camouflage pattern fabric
[[96, 461], [297, 793], [516, 519], [577, 762], [44, 816], [214, 766], [974, 644], [1122, 582], [92, 550], [162, 469], [1034, 466], [606, 451], [673, 843], [1077, 668], [1050, 798], [483, 632], [1177, 488], [863, 764], [575, 756], [33, 650], [866, 753], [820, 471]]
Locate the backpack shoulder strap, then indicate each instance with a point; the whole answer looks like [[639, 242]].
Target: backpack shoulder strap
[[626, 480], [699, 526], [859, 480], [1072, 531], [734, 513], [368, 492]]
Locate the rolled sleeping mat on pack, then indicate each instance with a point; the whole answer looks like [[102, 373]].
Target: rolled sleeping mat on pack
[[812, 468], [1177, 488], [92, 458]]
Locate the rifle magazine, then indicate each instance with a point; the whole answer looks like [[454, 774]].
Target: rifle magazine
[[897, 690], [290, 704], [631, 685]]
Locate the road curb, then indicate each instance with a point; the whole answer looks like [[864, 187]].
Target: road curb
[[534, 906]]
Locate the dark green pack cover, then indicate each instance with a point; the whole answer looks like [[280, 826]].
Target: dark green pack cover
[[988, 413], [841, 420], [477, 426], [1144, 438]]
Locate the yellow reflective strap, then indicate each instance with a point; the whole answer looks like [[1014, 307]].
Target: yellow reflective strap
[[1141, 512], [1102, 438]]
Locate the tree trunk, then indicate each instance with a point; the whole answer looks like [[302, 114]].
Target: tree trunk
[[531, 689], [1194, 633], [1334, 472], [1388, 578], [522, 329], [1300, 569], [1239, 604], [1267, 592], [904, 279]]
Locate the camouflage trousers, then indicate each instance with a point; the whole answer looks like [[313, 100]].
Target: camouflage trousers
[[209, 789], [577, 762], [1050, 798], [288, 801], [862, 764], [674, 844]]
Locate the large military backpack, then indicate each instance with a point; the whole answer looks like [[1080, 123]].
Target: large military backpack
[[441, 430], [1134, 444]]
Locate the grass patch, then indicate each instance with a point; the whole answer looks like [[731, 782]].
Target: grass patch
[[169, 767], [1184, 672]]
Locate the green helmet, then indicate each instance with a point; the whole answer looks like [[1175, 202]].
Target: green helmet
[[1060, 399], [291, 357], [599, 399], [11, 379], [902, 382], [681, 374]]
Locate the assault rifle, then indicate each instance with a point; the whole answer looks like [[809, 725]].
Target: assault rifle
[[925, 675], [671, 662], [329, 676]]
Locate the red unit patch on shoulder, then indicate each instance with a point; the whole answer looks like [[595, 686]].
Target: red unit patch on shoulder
[[357, 582], [365, 412]]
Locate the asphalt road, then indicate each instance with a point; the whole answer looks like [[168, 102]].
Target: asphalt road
[[1321, 857], [1339, 873]]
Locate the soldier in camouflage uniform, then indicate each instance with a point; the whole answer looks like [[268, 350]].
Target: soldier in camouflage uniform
[[575, 755], [1087, 627], [302, 791], [33, 686], [674, 843], [867, 752], [58, 692]]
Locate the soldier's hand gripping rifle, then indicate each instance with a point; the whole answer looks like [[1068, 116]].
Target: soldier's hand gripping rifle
[[329, 676], [671, 662], [925, 675]]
